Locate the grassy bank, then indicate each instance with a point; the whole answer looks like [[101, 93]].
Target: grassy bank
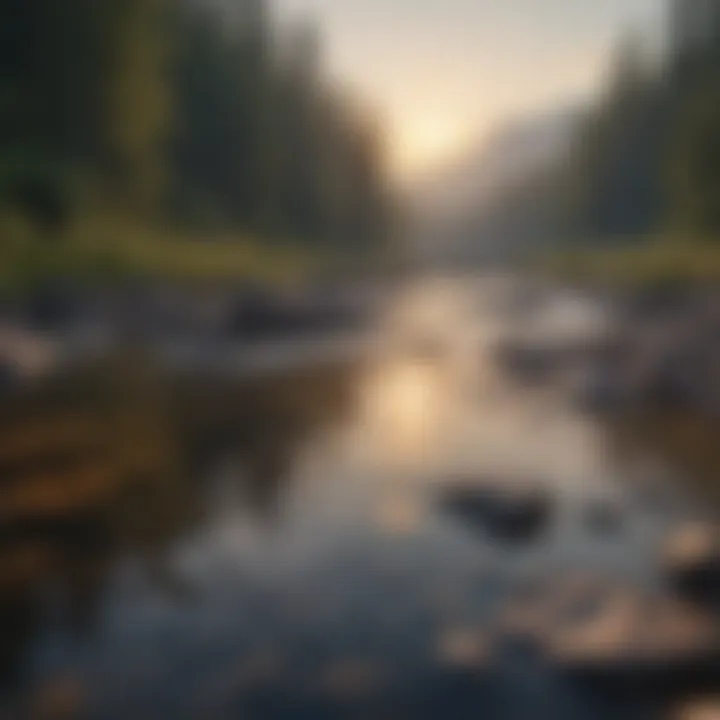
[[110, 248], [650, 264]]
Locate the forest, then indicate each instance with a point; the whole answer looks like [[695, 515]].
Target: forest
[[648, 157], [638, 181], [183, 118]]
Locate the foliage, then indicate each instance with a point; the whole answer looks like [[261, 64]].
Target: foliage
[[107, 247], [656, 262], [645, 163], [182, 112], [650, 157]]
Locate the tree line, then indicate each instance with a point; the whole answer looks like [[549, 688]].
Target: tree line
[[643, 161], [647, 158], [205, 113]]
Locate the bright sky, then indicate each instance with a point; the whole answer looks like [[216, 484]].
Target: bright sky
[[442, 73]]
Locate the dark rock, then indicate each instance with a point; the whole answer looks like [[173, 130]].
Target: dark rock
[[703, 709], [692, 562], [636, 645], [264, 314], [260, 315], [508, 513], [527, 364]]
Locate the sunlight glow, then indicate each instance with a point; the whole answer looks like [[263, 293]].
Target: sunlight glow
[[401, 404], [426, 142]]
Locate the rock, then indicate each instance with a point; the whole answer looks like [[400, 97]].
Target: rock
[[522, 627], [705, 709], [519, 516], [691, 559], [638, 644], [526, 364], [507, 512], [681, 643], [260, 313], [472, 502], [670, 363], [529, 619]]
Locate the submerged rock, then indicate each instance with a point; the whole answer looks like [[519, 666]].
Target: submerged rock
[[506, 512]]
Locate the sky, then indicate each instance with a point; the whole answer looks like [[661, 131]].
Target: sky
[[442, 74]]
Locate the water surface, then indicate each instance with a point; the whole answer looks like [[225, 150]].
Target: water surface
[[271, 544]]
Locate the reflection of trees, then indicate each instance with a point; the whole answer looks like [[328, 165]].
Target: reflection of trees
[[72, 557], [90, 469], [267, 453], [112, 463], [263, 424]]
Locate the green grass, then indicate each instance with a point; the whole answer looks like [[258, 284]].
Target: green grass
[[104, 248], [649, 264]]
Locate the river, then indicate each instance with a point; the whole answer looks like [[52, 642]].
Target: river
[[274, 543]]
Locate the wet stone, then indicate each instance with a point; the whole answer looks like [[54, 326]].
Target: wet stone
[[641, 645], [701, 709], [691, 560], [508, 513]]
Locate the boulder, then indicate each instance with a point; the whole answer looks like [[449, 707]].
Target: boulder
[[507, 512], [639, 644], [528, 620], [703, 709], [691, 560], [526, 363]]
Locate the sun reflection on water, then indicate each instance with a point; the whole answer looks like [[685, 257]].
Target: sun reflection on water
[[402, 409]]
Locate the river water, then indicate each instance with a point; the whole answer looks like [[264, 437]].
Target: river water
[[274, 544]]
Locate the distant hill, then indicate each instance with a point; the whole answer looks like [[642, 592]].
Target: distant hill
[[495, 198]]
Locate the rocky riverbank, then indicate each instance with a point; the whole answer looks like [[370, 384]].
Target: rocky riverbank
[[650, 350], [61, 324]]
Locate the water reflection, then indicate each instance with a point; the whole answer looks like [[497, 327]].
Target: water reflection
[[403, 410], [278, 546], [115, 463]]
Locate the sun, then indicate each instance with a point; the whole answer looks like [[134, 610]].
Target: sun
[[425, 141]]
